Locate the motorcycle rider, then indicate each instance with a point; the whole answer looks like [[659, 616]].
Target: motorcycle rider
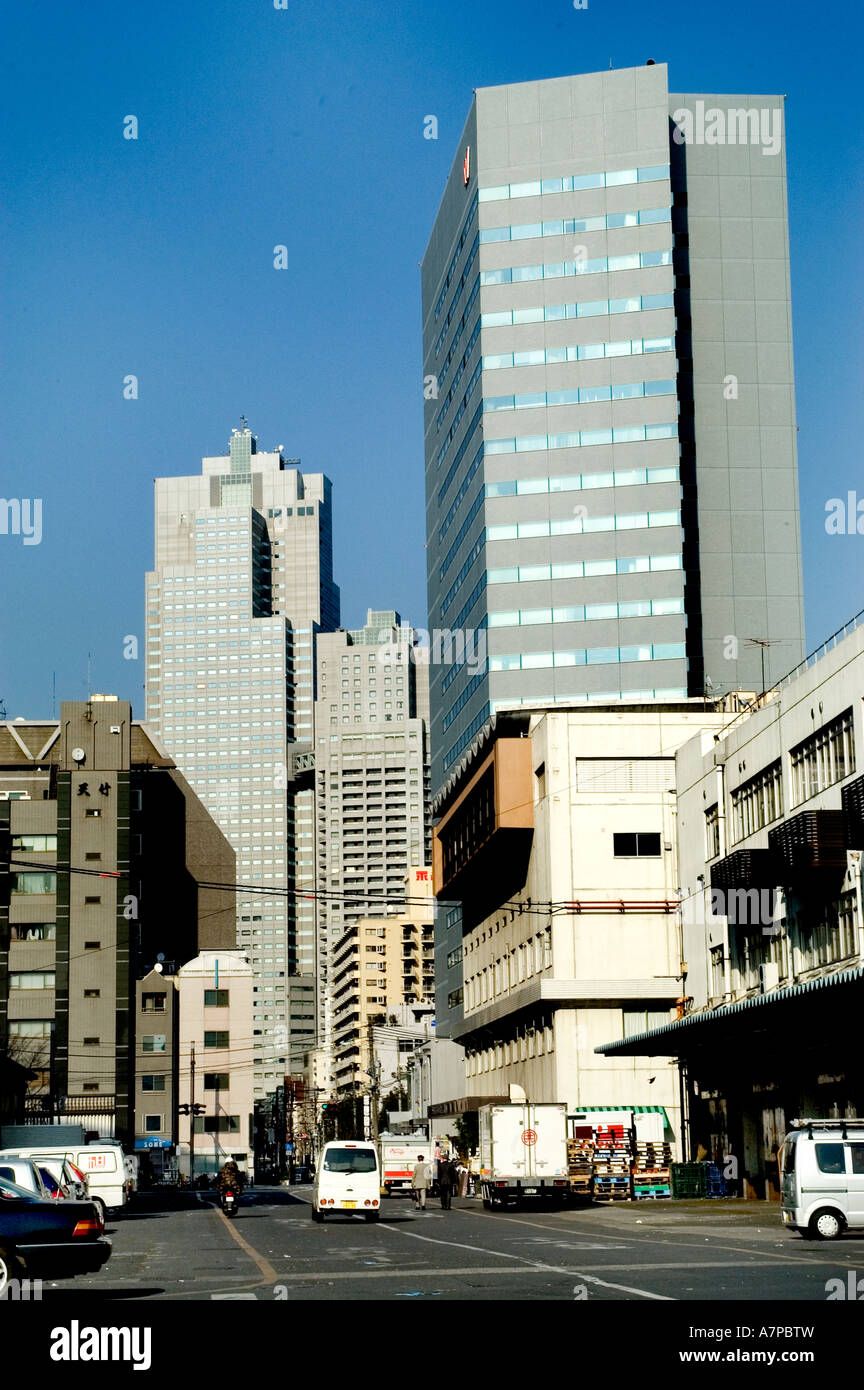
[[229, 1179]]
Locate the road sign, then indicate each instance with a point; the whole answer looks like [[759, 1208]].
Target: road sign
[[529, 1137], [289, 1148]]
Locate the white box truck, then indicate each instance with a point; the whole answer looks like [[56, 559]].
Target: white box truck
[[398, 1157], [523, 1152]]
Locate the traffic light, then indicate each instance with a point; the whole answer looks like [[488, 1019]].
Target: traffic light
[[182, 1109], [324, 1104], [198, 1109]]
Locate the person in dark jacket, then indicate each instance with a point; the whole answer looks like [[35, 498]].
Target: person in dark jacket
[[445, 1182]]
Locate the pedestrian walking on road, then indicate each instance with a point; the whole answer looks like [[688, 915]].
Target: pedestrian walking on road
[[446, 1173], [420, 1182]]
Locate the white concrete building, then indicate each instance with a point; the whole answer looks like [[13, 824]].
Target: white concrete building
[[556, 840], [771, 830], [216, 1038]]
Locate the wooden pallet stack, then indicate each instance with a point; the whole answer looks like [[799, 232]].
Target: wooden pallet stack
[[651, 1167], [580, 1167], [612, 1159]]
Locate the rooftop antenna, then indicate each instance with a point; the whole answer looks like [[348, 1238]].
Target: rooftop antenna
[[761, 642], [53, 694], [88, 675]]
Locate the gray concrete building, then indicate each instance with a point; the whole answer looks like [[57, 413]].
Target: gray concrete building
[[609, 416], [241, 585], [106, 855]]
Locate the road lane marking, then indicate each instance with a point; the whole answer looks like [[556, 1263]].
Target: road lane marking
[[269, 1273], [643, 1239], [534, 1264]]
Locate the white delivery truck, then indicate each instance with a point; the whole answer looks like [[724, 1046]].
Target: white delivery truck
[[398, 1157], [102, 1163], [523, 1152]]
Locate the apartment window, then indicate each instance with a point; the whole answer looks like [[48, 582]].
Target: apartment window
[[33, 931], [824, 758], [30, 1028], [92, 900], [94, 1042], [154, 1042], [92, 945], [216, 1039], [832, 938], [216, 998], [91, 1086], [217, 1124], [757, 802], [152, 1124], [216, 1080], [92, 813], [454, 957], [152, 1083], [644, 845], [31, 979], [454, 998], [642, 1021], [92, 993], [33, 883], [718, 978], [36, 843], [712, 832], [153, 1003]]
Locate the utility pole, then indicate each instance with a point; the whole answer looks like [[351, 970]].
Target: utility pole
[[192, 1117]]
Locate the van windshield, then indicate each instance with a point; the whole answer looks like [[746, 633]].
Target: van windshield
[[349, 1161]]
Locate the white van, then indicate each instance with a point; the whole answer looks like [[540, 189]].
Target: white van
[[101, 1163], [347, 1179], [822, 1165]]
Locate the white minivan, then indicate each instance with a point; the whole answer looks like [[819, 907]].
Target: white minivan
[[822, 1166], [101, 1163], [347, 1179]]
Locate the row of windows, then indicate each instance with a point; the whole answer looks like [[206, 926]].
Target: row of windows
[[451, 269], [567, 226], [578, 526], [581, 439], [579, 352], [464, 739], [573, 183], [558, 270], [757, 802], [580, 395], [593, 656], [585, 569], [534, 1042], [578, 482], [586, 613], [586, 309], [445, 404], [824, 758], [38, 843]]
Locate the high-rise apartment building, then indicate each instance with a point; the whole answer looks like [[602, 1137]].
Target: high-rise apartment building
[[383, 967], [372, 773], [610, 427], [241, 585]]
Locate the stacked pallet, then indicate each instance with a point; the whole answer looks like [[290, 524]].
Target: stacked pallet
[[612, 1164], [580, 1167], [697, 1180], [651, 1170]]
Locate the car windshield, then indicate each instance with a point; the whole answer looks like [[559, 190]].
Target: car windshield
[[349, 1161]]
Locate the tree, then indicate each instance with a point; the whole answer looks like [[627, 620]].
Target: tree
[[396, 1100], [468, 1132]]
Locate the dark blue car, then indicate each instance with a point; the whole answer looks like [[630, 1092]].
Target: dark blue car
[[41, 1239]]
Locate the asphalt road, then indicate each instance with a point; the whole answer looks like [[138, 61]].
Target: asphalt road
[[171, 1247]]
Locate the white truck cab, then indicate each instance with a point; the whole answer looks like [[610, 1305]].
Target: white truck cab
[[102, 1163], [822, 1178], [347, 1178]]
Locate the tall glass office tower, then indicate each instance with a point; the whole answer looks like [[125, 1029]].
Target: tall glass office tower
[[242, 583], [610, 427]]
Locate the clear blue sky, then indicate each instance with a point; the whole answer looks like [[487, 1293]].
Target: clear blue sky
[[304, 127]]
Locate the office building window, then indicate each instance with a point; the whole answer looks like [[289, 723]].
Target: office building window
[[153, 1003], [216, 998], [824, 758], [712, 832], [152, 1083], [216, 1080], [757, 801], [216, 1038], [639, 846], [153, 1042]]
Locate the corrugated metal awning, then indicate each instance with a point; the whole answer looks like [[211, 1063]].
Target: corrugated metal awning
[[673, 1038]]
